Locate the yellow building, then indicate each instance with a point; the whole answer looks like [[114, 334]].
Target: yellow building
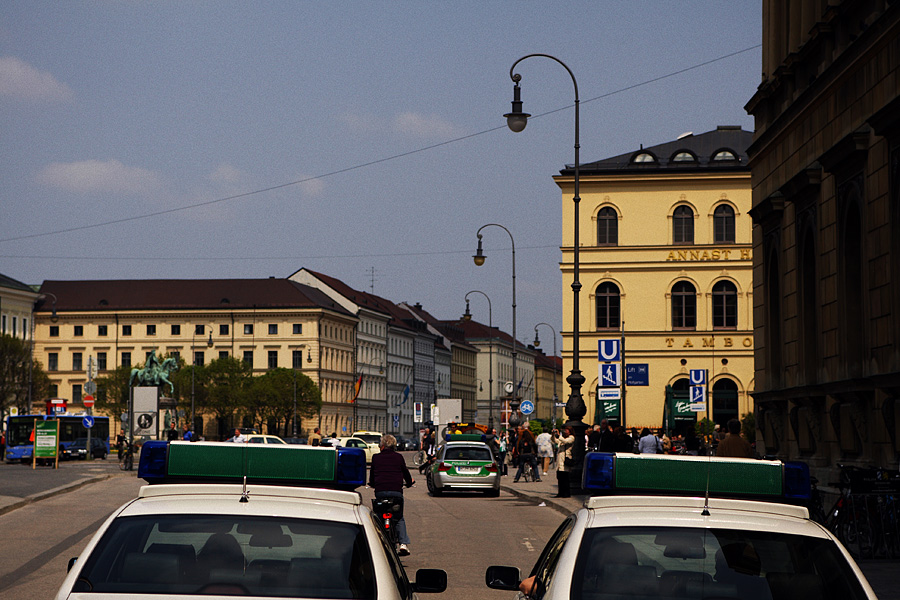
[[266, 322], [665, 268]]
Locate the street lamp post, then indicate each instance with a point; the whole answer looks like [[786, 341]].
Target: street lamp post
[[209, 344], [479, 260], [468, 317], [537, 343], [575, 407]]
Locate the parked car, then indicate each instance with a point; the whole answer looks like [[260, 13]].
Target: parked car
[[296, 440], [78, 449], [264, 439], [355, 442], [405, 443]]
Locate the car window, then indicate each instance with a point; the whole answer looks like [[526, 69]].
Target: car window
[[275, 440], [257, 440], [228, 555], [468, 454], [622, 562], [546, 564]]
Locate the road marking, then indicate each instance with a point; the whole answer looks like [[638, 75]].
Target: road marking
[[527, 544]]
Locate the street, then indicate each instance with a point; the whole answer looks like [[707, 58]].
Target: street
[[462, 534]]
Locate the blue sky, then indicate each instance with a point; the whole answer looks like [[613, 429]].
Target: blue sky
[[361, 139]]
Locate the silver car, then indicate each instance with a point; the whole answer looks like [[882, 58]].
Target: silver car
[[464, 467]]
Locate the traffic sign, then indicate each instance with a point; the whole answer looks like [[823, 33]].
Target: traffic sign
[[610, 350], [90, 388], [610, 375], [527, 407], [88, 422], [88, 401], [698, 376]]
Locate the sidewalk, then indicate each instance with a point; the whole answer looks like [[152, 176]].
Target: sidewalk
[[883, 575]]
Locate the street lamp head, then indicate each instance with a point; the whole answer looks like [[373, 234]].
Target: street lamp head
[[479, 255], [537, 341], [516, 120], [467, 316], [209, 342]]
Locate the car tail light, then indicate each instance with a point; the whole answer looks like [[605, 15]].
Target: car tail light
[[443, 467], [492, 468]]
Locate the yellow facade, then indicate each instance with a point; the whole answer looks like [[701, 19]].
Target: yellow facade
[[645, 264]]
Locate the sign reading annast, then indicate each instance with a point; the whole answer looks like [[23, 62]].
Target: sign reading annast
[[715, 254]]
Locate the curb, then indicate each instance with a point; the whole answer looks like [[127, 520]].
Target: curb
[[70, 487], [557, 506]]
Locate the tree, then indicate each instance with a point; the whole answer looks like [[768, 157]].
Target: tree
[[226, 381], [113, 391], [17, 369], [271, 397]]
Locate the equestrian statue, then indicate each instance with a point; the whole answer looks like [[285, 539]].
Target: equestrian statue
[[155, 373]]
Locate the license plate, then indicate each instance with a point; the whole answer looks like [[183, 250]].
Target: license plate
[[468, 470]]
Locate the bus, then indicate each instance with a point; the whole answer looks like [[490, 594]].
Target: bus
[[19, 444]]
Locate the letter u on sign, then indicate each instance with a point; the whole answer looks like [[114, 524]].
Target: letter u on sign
[[610, 350], [698, 376]]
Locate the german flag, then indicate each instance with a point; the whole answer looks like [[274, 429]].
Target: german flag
[[356, 387]]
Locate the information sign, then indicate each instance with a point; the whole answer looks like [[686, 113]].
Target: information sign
[[417, 412], [637, 374], [610, 375], [527, 407], [46, 440], [609, 350], [609, 393]]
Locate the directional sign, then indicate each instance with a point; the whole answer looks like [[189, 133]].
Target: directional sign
[[527, 407], [610, 375], [698, 394], [88, 422], [610, 350], [698, 376], [609, 394]]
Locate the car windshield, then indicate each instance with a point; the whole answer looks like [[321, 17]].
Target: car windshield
[[227, 555], [468, 454], [370, 438], [652, 562]]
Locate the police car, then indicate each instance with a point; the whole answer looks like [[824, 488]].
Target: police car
[[690, 527], [266, 521], [464, 463]]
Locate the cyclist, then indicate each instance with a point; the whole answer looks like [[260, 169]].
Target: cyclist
[[120, 444], [387, 476], [526, 449]]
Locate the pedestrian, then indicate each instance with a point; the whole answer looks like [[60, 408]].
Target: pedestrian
[[430, 448], [504, 440], [315, 438], [734, 445], [692, 442], [564, 460], [120, 443], [607, 437], [623, 443], [238, 437], [593, 438], [188, 435], [545, 449], [493, 442], [666, 442], [526, 449], [172, 432], [649, 443], [387, 476]]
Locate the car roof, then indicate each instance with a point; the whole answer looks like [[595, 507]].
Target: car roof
[[466, 443]]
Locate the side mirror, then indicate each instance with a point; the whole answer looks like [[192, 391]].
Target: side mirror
[[430, 581], [502, 578], [71, 564]]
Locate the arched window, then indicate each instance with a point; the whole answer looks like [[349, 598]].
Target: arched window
[[644, 157], [724, 305], [684, 157], [724, 155], [607, 227], [608, 306], [724, 402], [684, 306], [683, 225], [723, 224]]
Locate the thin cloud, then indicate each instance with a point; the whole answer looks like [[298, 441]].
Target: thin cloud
[[91, 176], [226, 173], [20, 80], [426, 126]]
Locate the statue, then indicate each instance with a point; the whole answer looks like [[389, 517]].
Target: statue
[[154, 373]]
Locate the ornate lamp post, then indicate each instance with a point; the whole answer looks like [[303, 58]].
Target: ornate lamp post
[[537, 343], [575, 407], [209, 344], [479, 260], [468, 317]]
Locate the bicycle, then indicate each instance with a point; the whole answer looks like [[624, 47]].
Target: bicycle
[[126, 457], [528, 472], [419, 458], [389, 511]]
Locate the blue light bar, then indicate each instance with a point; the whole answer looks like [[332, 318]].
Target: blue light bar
[[796, 481], [170, 462]]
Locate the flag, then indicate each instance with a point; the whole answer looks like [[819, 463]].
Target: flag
[[521, 381], [356, 387], [405, 395]]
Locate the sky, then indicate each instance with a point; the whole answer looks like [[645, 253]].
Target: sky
[[364, 140]]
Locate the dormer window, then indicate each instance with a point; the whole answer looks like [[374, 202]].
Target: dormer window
[[724, 155], [644, 157], [684, 157]]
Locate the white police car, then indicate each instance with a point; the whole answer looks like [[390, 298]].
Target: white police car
[[650, 535], [194, 533]]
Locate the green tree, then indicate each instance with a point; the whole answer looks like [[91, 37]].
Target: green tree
[[227, 381], [704, 428], [748, 427], [17, 369], [271, 398], [113, 391]]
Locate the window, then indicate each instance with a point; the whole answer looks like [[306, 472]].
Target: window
[[151, 329], [248, 329], [54, 330], [101, 361], [273, 359], [683, 225], [273, 329], [608, 306], [53, 361], [199, 358], [644, 157], [248, 357], [15, 324], [126, 359], [684, 306], [607, 227], [684, 157], [76, 393], [176, 329], [54, 390], [77, 364], [724, 305], [25, 329], [298, 328], [297, 359], [199, 329], [723, 224], [223, 354], [3, 326], [724, 155], [126, 330], [223, 329], [102, 331], [175, 354]]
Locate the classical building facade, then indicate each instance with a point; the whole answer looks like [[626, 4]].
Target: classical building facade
[[825, 163], [665, 267], [548, 387], [267, 323], [16, 303]]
